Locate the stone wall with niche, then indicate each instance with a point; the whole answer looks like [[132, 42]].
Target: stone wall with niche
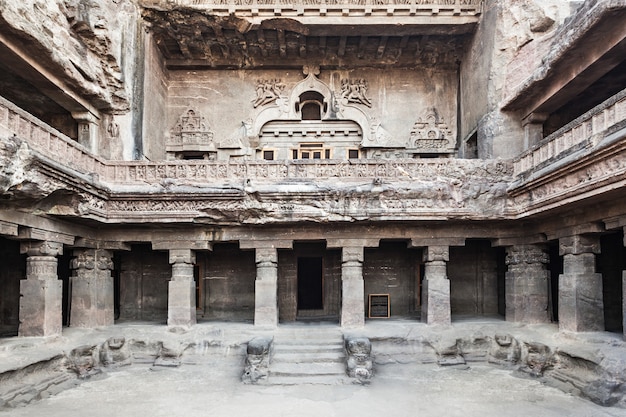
[[394, 103]]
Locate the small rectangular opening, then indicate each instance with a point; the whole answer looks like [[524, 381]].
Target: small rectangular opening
[[268, 155]]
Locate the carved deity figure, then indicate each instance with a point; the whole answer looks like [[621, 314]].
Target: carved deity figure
[[354, 91], [267, 91]]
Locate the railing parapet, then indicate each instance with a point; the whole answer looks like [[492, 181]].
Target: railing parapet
[[580, 133]]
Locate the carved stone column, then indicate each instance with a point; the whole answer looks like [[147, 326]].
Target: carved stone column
[[581, 306], [436, 286], [181, 295], [87, 130], [533, 129], [353, 287], [266, 287], [92, 288], [624, 294], [527, 281], [42, 291]]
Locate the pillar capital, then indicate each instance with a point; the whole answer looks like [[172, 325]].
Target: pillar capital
[[526, 254], [266, 255], [352, 254], [579, 244], [436, 253], [41, 248], [182, 256]]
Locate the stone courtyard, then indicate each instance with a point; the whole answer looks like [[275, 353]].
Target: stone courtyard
[[362, 206]]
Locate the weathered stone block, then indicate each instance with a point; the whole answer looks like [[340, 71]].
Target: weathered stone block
[[265, 302], [353, 307], [40, 307], [257, 360], [436, 289], [581, 307], [359, 363], [181, 303]]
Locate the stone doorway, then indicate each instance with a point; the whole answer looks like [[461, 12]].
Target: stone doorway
[[310, 284]]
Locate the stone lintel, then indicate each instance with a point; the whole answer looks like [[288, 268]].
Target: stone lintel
[[535, 118], [579, 244], [583, 229], [88, 243], [354, 243], [423, 242], [615, 223], [32, 233], [519, 240], [260, 244], [182, 256], [182, 244], [436, 253], [45, 248], [85, 117], [8, 229]]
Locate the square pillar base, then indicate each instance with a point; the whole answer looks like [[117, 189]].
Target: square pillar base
[[181, 303], [353, 307], [265, 306], [581, 305], [40, 307], [436, 305], [92, 302]]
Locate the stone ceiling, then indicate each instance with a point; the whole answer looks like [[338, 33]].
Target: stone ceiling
[[192, 39]]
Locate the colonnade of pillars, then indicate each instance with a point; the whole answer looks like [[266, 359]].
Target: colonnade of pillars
[[527, 283]]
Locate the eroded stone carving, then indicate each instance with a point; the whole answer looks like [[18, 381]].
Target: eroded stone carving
[[353, 91], [191, 129], [257, 360], [267, 91], [430, 134], [359, 363]]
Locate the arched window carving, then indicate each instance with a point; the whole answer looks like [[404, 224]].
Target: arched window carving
[[312, 105]]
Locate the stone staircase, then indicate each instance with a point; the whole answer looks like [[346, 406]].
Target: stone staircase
[[308, 355]]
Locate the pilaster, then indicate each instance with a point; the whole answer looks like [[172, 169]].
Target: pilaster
[[41, 293], [436, 286], [533, 129], [266, 287], [87, 130], [353, 287], [581, 307], [181, 295], [92, 288], [527, 281]]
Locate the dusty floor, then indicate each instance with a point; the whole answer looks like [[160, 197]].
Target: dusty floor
[[398, 390], [208, 384]]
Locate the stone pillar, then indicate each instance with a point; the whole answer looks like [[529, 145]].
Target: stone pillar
[[41, 293], [92, 288], [624, 294], [581, 306], [353, 287], [87, 130], [436, 286], [527, 281], [181, 295], [533, 129], [266, 287]]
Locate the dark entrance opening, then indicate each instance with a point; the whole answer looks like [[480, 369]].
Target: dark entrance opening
[[310, 284]]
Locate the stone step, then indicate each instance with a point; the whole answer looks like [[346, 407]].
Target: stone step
[[308, 348], [308, 380], [307, 369], [309, 357]]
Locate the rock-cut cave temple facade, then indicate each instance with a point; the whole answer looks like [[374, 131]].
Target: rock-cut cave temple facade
[[180, 161]]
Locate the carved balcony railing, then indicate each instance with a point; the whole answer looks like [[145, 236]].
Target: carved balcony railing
[[323, 7], [51, 143], [584, 132], [213, 172]]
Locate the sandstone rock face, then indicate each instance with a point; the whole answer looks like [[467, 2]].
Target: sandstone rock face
[[81, 40]]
